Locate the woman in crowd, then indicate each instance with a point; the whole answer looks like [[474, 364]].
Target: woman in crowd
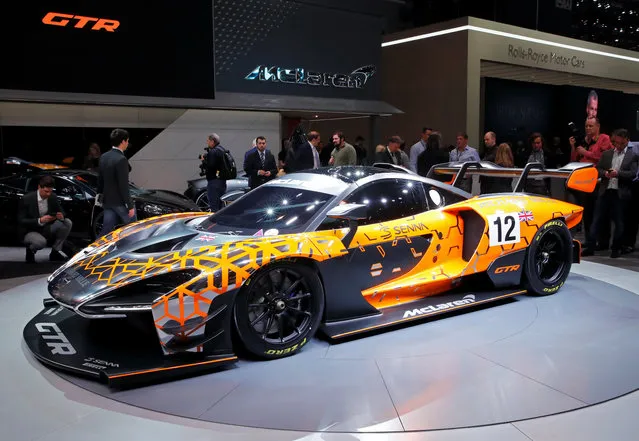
[[503, 158]]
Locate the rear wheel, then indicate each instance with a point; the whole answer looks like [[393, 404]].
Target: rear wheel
[[202, 201], [549, 259], [279, 310]]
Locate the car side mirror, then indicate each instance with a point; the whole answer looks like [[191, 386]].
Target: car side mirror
[[353, 213]]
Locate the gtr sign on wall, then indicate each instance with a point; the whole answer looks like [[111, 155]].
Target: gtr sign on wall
[[113, 47], [80, 22]]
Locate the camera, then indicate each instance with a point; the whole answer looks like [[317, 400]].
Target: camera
[[580, 139], [202, 159]]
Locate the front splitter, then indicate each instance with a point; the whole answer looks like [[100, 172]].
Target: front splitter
[[114, 351]]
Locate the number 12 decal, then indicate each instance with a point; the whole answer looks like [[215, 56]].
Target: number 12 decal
[[503, 229]]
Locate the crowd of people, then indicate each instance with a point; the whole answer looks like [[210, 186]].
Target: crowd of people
[[611, 212], [614, 203]]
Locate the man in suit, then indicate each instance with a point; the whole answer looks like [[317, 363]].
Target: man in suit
[[306, 154], [617, 168], [113, 184], [260, 166], [391, 154], [42, 220], [538, 186]]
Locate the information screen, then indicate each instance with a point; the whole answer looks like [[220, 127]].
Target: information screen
[[162, 48]]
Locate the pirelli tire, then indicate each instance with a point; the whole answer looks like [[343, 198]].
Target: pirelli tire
[[279, 310], [549, 259]]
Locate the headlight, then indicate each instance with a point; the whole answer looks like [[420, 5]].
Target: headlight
[[156, 210]]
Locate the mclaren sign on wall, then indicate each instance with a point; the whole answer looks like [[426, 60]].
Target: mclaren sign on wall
[[301, 76]]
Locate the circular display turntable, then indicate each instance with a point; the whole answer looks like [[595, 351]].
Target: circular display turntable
[[521, 358]]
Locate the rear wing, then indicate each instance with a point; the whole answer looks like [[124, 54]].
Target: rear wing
[[579, 176], [395, 167]]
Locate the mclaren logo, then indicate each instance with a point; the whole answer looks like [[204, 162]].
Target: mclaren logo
[[468, 299], [80, 22], [299, 75], [55, 339]]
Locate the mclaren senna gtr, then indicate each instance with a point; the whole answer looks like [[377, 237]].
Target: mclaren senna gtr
[[340, 251]]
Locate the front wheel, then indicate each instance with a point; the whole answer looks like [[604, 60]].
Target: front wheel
[[279, 309], [549, 259], [96, 228]]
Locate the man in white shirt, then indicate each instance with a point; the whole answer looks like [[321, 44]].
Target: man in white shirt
[[419, 147]]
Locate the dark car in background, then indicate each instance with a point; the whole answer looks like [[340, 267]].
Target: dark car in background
[[235, 188], [76, 191]]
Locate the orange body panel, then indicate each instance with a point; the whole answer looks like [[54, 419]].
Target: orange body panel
[[583, 180], [435, 270], [442, 265]]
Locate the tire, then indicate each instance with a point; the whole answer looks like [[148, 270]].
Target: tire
[[549, 259], [202, 201], [96, 227], [290, 318]]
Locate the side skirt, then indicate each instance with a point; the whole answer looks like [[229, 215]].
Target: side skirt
[[427, 307]]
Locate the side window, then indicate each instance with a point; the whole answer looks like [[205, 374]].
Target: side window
[[15, 182], [390, 199], [65, 188], [438, 197]]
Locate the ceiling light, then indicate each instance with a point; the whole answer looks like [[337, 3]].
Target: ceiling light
[[508, 35]]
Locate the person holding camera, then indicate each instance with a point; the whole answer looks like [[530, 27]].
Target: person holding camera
[[589, 149], [213, 163]]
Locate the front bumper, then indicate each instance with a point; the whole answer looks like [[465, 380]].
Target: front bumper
[[118, 352]]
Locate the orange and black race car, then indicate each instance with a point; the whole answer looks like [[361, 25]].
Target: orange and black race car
[[340, 251]]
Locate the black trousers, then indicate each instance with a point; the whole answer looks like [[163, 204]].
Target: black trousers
[[589, 202], [609, 207], [631, 217]]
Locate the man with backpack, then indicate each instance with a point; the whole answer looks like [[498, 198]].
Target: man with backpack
[[220, 167]]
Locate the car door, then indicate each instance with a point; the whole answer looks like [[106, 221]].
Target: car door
[[12, 190], [387, 245]]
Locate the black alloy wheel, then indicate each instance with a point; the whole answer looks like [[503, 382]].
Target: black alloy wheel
[[97, 225], [279, 310], [202, 201], [549, 259]]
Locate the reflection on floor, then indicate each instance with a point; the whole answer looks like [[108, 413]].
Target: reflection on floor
[[12, 263], [39, 405]]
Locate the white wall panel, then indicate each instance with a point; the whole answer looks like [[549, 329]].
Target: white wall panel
[[76, 115], [170, 159]]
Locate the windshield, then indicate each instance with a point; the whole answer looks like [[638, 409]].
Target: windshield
[[270, 209]]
